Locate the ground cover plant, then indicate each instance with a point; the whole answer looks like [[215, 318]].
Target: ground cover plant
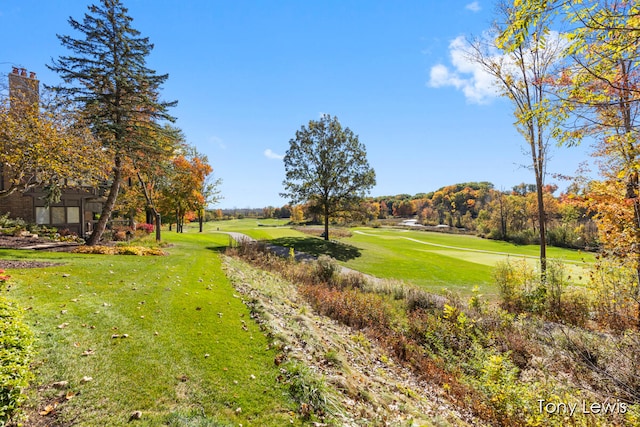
[[166, 336], [497, 366], [16, 342]]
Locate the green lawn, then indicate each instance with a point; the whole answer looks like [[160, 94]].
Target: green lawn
[[186, 360], [447, 261], [260, 229], [435, 261]]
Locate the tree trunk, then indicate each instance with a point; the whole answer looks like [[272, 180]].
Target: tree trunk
[[326, 223], [158, 225], [542, 229], [108, 206], [503, 219], [633, 192], [201, 218]]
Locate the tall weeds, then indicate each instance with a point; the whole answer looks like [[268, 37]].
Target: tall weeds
[[492, 363]]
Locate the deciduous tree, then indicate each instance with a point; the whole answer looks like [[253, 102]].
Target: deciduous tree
[[327, 165], [44, 144], [603, 90], [151, 168], [522, 64], [184, 191]]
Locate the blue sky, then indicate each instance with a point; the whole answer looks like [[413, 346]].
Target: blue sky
[[248, 74]]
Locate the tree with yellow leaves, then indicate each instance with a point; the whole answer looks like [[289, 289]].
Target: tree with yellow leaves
[[45, 146], [522, 63], [600, 88]]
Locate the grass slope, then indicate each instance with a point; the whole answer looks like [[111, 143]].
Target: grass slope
[[176, 310]]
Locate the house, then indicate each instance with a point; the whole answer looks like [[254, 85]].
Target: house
[[79, 206]]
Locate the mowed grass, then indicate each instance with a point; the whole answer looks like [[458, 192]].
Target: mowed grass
[[259, 229], [186, 360], [435, 261], [438, 261]]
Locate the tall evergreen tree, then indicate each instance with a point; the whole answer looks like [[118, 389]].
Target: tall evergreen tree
[[107, 75]]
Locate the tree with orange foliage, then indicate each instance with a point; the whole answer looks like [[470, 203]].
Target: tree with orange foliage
[[184, 191]]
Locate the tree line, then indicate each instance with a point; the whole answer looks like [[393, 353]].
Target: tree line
[[476, 207]]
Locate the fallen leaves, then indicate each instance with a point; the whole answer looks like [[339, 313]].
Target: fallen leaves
[[88, 352], [63, 396], [49, 409]]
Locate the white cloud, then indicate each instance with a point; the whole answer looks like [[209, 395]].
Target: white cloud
[[269, 154], [217, 141], [465, 75], [473, 7]]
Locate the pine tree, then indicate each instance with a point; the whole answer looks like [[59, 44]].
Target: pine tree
[[107, 75]]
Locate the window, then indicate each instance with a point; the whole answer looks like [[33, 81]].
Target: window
[[42, 215], [57, 215], [73, 215]]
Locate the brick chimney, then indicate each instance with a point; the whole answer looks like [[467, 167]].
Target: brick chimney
[[23, 86]]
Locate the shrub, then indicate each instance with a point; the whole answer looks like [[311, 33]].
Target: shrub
[[350, 306], [120, 236], [16, 341], [524, 237], [119, 250], [326, 269], [421, 299], [99, 250], [519, 287], [129, 250], [147, 228], [614, 288]]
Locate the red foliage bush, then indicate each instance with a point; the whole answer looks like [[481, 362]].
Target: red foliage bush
[[147, 228], [350, 306]]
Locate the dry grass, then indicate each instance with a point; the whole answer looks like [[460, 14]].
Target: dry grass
[[491, 364]]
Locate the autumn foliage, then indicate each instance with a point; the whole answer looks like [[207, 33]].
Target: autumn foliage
[[491, 365], [43, 146]]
